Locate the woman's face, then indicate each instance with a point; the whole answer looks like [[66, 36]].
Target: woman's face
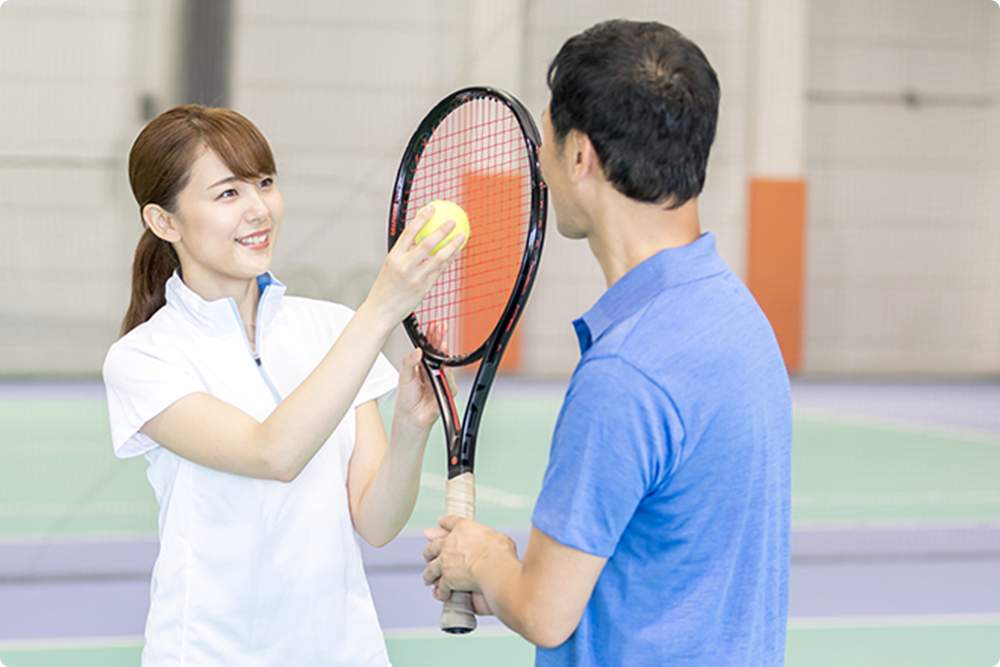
[[226, 227]]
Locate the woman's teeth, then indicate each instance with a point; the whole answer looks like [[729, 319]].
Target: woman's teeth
[[253, 240]]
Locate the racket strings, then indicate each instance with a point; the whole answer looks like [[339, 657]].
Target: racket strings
[[476, 157]]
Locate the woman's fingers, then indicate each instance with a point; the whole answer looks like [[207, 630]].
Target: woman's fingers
[[410, 270]]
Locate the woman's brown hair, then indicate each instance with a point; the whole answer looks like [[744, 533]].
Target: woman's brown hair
[[159, 167]]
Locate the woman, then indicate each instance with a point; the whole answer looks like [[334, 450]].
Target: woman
[[257, 411]]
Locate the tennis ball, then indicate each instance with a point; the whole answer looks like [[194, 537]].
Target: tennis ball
[[445, 210]]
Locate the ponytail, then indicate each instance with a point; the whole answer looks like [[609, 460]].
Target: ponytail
[[155, 261]]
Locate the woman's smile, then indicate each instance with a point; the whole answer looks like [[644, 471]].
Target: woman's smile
[[258, 241]]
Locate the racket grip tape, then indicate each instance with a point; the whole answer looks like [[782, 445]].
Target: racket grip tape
[[458, 616]]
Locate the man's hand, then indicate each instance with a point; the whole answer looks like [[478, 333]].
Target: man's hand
[[541, 599], [457, 547]]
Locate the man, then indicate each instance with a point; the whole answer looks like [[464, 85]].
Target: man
[[661, 534]]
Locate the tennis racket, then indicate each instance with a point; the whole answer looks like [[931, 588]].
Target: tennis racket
[[478, 148]]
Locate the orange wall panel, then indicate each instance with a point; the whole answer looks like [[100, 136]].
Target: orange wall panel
[[776, 259]]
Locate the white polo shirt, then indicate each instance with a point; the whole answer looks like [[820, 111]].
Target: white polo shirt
[[250, 572]]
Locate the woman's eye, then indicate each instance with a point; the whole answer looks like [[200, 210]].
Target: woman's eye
[[267, 182], [228, 193]]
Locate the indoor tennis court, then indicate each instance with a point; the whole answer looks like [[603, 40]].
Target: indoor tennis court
[[853, 186], [895, 556]]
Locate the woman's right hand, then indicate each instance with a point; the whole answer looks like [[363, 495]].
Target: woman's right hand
[[410, 270]]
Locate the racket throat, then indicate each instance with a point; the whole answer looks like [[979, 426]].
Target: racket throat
[[461, 458], [457, 462]]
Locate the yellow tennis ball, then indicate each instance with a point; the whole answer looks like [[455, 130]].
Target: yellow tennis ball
[[445, 210]]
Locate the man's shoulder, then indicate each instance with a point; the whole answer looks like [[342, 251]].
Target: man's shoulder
[[709, 315]]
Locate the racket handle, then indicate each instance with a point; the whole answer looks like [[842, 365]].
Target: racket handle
[[458, 616]]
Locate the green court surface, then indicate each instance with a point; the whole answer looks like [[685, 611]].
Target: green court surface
[[917, 645], [67, 655], [58, 476], [910, 644], [847, 472], [59, 479]]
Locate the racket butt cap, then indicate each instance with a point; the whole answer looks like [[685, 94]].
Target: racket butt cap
[[457, 618]]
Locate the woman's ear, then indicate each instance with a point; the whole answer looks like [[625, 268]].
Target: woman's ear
[[160, 222]]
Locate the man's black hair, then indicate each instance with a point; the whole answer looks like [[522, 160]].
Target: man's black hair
[[647, 98]]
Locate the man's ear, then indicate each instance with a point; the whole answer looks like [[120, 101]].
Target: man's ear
[[582, 156], [160, 222]]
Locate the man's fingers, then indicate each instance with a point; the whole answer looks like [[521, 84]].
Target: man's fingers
[[449, 521], [432, 550], [435, 534], [431, 573], [432, 577]]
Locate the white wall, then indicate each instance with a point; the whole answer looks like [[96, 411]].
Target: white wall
[[903, 239], [68, 111], [902, 224]]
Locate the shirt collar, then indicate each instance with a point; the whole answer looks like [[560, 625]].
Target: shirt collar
[[668, 268], [219, 313]]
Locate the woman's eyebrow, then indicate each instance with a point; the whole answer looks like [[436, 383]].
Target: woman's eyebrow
[[228, 179]]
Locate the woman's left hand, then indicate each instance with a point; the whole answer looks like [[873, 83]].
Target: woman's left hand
[[415, 400]]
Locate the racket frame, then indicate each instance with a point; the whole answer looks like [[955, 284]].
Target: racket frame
[[462, 445], [461, 436]]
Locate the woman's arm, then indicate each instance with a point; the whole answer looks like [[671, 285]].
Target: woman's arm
[[384, 477], [213, 433]]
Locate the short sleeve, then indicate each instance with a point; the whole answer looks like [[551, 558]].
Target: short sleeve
[[611, 447], [380, 383], [140, 385], [382, 378]]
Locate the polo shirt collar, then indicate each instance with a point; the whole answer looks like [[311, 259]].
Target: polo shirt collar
[[219, 313], [668, 268]]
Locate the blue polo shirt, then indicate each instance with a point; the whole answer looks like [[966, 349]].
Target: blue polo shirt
[[672, 459]]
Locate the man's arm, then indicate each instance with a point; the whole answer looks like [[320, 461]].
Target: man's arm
[[542, 599]]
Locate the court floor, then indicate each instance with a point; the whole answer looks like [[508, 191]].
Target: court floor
[[896, 543], [917, 644]]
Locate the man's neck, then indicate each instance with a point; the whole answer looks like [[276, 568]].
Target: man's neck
[[627, 232]]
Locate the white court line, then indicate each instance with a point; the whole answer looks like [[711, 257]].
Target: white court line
[[898, 621], [487, 493], [897, 424], [48, 539], [874, 525], [896, 499], [69, 643], [51, 510]]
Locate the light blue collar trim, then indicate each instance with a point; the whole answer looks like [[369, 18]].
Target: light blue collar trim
[[218, 314]]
